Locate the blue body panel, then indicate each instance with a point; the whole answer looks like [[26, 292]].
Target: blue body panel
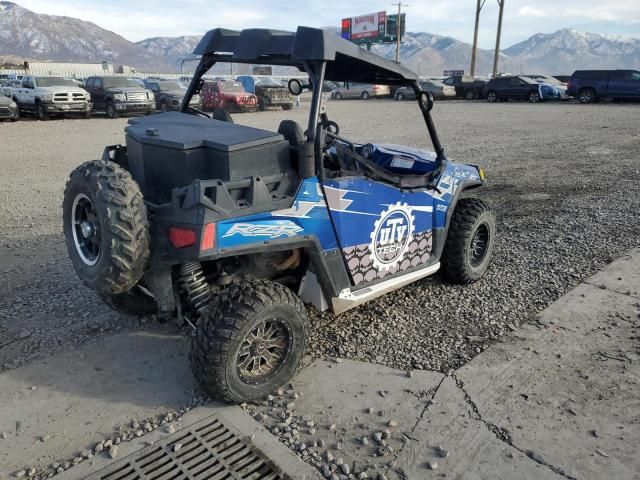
[[381, 230]]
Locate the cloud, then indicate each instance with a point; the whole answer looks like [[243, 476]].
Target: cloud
[[522, 18], [529, 11]]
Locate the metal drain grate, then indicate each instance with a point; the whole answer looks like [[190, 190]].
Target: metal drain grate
[[208, 450]]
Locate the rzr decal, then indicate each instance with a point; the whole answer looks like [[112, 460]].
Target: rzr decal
[[274, 230]]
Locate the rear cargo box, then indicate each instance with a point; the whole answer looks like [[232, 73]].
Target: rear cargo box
[[171, 150]]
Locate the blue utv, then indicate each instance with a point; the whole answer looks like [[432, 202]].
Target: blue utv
[[232, 229]]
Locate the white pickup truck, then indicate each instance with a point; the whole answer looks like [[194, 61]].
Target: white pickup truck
[[45, 96]]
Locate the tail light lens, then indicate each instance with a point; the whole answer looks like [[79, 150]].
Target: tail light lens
[[208, 237], [375, 87], [181, 237]]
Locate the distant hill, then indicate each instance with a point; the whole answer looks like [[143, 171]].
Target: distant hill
[[28, 35]]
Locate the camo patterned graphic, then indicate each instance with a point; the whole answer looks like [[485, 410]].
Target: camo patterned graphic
[[361, 266]]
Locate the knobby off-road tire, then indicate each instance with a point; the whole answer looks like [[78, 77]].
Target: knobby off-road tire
[[133, 302], [237, 329], [106, 227], [469, 246]]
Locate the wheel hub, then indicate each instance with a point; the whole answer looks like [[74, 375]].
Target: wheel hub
[[479, 244], [85, 229], [264, 351]]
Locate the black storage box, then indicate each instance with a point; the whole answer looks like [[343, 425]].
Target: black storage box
[[173, 149]]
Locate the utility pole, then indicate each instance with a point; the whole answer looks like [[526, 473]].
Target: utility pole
[[497, 52], [475, 37], [398, 30]]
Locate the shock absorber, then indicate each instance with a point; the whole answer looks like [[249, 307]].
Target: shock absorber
[[194, 284]]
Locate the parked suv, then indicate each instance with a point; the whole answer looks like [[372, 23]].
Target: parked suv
[[360, 90], [269, 91], [46, 96], [592, 85], [115, 95], [228, 95], [519, 88], [168, 95]]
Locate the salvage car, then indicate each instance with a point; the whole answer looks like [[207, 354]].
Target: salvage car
[[232, 229], [227, 95], [590, 86], [269, 91], [467, 87], [45, 96], [364, 91], [118, 95], [435, 87], [168, 94], [9, 109]]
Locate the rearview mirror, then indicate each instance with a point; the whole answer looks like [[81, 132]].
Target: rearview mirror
[[426, 101], [295, 87]]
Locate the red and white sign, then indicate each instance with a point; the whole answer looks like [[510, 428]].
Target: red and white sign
[[369, 25]]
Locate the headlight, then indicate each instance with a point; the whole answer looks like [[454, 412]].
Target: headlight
[[48, 97], [13, 105], [120, 97]]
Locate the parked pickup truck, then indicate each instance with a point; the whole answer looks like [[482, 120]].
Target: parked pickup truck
[[46, 96], [116, 95], [467, 87], [593, 85]]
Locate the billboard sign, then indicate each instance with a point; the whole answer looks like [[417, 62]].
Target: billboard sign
[[370, 26]]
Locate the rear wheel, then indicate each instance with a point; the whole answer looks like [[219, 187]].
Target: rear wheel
[[111, 110], [249, 343], [469, 246], [492, 96], [106, 227], [399, 96], [587, 95], [469, 94], [288, 106], [337, 96], [164, 107], [364, 95]]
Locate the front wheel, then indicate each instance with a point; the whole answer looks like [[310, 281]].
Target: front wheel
[[337, 96], [287, 106], [399, 96], [111, 110], [364, 95], [534, 97], [469, 94], [41, 112], [588, 95], [492, 97], [251, 342], [164, 108], [469, 246]]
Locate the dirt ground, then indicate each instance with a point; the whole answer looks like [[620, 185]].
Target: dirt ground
[[563, 180]]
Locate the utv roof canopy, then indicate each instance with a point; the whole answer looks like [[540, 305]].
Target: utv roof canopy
[[345, 61]]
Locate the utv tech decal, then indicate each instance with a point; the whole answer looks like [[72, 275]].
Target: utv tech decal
[[277, 230], [391, 236]]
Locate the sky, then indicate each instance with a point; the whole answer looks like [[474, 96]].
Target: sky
[[136, 20]]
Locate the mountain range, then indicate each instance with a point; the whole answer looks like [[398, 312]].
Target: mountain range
[[27, 35]]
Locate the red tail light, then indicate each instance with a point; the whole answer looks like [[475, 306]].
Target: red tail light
[[182, 237], [375, 87], [208, 237]]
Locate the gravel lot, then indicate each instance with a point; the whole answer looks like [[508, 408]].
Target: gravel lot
[[564, 182]]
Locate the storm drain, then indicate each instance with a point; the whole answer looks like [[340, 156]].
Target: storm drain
[[205, 450]]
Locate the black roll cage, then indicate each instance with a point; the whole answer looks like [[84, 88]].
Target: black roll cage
[[317, 71]]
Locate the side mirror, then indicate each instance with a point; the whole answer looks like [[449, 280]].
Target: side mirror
[[295, 87], [426, 101]]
